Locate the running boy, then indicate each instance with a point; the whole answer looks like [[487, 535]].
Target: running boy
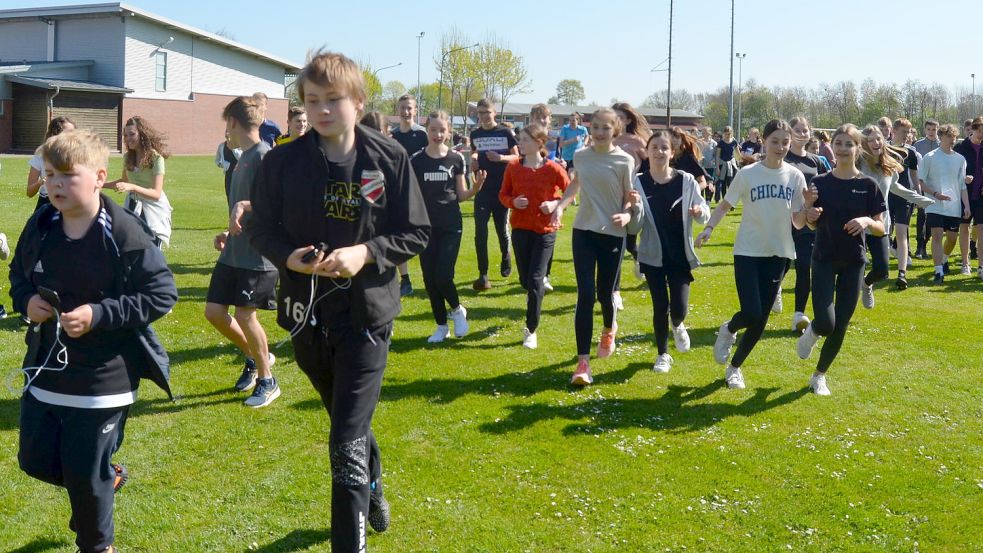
[[494, 148], [336, 211], [413, 138], [87, 351], [242, 277], [943, 177]]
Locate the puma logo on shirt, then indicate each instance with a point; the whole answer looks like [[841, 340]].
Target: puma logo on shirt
[[443, 175]]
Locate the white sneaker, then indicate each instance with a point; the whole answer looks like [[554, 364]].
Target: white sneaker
[[966, 271], [867, 296], [681, 337], [439, 335], [662, 363], [4, 246], [734, 378], [806, 343], [818, 384], [618, 302], [777, 306], [638, 270], [725, 341], [547, 285], [459, 317], [529, 339], [799, 322]]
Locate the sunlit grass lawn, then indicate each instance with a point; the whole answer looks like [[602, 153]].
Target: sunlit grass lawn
[[486, 448]]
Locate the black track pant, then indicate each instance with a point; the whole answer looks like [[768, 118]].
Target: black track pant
[[670, 299], [879, 250], [533, 252], [345, 366], [835, 290], [758, 280], [804, 244], [437, 263], [489, 208], [595, 256], [922, 234], [71, 448], [721, 190]]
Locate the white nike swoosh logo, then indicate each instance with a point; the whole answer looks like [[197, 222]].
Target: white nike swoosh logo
[[109, 428]]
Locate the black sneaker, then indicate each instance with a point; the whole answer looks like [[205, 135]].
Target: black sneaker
[[247, 380], [405, 286], [506, 268], [902, 282], [939, 278], [378, 508], [481, 284]]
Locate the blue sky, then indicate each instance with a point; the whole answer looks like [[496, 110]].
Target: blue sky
[[610, 46]]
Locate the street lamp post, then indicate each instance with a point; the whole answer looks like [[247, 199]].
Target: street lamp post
[[376, 72], [419, 41], [669, 78], [730, 103], [740, 89], [973, 76], [443, 58]]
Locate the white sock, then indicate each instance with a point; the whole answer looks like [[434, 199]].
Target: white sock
[[938, 269]]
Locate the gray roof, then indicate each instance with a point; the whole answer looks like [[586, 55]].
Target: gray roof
[[560, 110], [124, 10], [65, 84]]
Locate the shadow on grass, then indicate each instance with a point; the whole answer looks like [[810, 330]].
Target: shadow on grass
[[37, 545], [296, 540], [183, 402], [675, 411], [192, 269], [518, 384]]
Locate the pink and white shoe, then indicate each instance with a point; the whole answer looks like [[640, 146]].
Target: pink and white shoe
[[582, 376], [607, 345]]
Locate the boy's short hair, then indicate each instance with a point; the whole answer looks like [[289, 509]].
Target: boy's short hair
[[261, 97], [949, 130], [335, 71], [976, 123], [902, 123], [294, 111], [244, 110], [80, 147], [486, 103], [539, 110], [407, 98], [930, 122]]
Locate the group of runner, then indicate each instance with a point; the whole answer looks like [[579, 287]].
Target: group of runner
[[320, 224]]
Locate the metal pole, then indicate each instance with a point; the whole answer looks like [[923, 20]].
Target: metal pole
[[440, 86], [973, 76], [730, 103], [669, 80], [419, 41], [740, 91]]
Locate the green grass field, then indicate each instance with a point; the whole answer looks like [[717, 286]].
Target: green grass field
[[486, 448]]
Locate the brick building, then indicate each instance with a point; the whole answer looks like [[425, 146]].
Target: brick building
[[104, 63]]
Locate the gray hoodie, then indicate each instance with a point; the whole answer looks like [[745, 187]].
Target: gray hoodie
[[649, 245]]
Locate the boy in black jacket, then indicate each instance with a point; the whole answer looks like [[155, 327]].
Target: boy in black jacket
[[103, 282], [336, 210]]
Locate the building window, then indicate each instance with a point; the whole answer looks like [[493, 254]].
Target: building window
[[161, 76]]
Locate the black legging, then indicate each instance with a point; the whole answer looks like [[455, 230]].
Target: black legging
[[670, 298], [486, 207], [923, 235], [721, 190], [437, 263], [878, 248], [758, 280], [594, 254], [532, 254], [831, 317], [804, 243]]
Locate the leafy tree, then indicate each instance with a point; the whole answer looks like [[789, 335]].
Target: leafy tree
[[569, 92]]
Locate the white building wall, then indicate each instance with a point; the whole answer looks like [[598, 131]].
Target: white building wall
[[23, 41], [193, 65], [98, 39]]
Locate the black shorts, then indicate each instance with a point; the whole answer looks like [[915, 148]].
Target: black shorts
[[900, 209], [569, 164], [945, 222], [242, 287], [976, 211]]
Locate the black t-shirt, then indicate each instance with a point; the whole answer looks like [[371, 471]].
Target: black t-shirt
[[342, 210], [727, 149], [910, 164], [687, 162], [843, 200], [437, 180], [501, 140], [809, 164], [412, 141], [81, 272], [750, 148], [665, 202]]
